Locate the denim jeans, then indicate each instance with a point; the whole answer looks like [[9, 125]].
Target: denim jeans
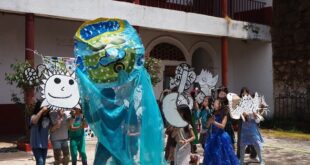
[[40, 155]]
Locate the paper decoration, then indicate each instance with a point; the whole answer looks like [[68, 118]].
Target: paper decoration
[[59, 87], [89, 134], [246, 104], [207, 83], [184, 78], [33, 75]]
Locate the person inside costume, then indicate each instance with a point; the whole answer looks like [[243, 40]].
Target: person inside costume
[[116, 93], [39, 131], [183, 136], [77, 136], [218, 147]]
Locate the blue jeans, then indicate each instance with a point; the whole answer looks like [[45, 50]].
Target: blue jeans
[[40, 155]]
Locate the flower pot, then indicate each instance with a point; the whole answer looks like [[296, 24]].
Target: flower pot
[[24, 146]]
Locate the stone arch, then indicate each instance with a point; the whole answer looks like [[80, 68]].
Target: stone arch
[[207, 53], [168, 40], [167, 65]]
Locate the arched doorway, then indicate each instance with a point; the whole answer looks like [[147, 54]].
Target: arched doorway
[[171, 56], [167, 51], [201, 59], [172, 52]]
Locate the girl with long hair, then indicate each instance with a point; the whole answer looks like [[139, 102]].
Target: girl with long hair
[[183, 136], [218, 148], [39, 131]]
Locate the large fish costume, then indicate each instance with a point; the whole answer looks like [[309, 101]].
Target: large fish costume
[[116, 93]]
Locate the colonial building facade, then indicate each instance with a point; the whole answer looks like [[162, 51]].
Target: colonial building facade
[[230, 38]]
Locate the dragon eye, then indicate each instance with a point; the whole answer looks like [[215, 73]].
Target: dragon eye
[[118, 67]]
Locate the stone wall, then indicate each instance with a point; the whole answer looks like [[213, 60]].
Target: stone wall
[[291, 50]]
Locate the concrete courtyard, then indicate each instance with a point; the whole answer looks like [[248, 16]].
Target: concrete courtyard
[[276, 152]]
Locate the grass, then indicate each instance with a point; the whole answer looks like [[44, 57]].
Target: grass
[[287, 125], [286, 134]]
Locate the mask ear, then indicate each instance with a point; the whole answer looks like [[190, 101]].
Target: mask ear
[[78, 106], [40, 69], [44, 103]]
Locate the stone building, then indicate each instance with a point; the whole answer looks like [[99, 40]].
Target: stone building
[[291, 63], [231, 38]]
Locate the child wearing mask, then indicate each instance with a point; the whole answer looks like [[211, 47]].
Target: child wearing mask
[[39, 131]]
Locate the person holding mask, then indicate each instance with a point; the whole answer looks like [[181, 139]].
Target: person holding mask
[[250, 149], [59, 137], [183, 136], [39, 131], [77, 136]]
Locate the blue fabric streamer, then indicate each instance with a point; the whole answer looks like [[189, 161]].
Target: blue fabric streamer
[[122, 113]]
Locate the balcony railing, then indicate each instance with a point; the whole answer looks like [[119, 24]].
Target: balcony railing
[[243, 10], [250, 11]]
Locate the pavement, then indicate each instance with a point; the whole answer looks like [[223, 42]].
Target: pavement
[[276, 152], [9, 155]]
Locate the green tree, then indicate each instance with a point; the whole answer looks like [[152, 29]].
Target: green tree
[[18, 79]]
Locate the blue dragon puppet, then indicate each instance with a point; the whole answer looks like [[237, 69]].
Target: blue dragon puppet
[[116, 93]]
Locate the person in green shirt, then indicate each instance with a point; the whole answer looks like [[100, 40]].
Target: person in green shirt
[[77, 137], [203, 114]]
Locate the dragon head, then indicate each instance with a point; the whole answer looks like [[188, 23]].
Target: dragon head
[[106, 48]]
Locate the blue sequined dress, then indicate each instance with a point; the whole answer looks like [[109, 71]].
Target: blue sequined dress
[[218, 149]]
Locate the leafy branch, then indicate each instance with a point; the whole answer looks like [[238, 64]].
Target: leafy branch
[[153, 67], [18, 79]]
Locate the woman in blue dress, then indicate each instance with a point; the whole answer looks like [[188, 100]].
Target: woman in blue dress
[[218, 147]]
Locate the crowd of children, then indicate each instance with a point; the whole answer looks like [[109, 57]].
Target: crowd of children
[[60, 127], [210, 119], [216, 133]]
